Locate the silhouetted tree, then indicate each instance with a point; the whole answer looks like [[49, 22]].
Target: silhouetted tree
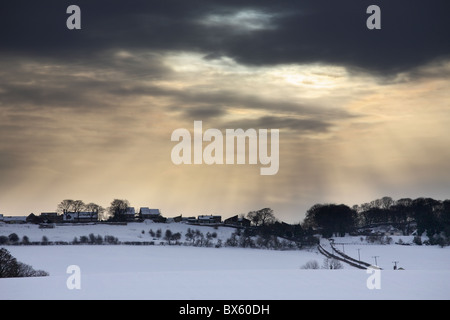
[[445, 217], [262, 217], [331, 218], [93, 207], [118, 209], [13, 238], [64, 206], [425, 213], [10, 267]]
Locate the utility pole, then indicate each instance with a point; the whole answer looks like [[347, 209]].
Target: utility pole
[[359, 255], [395, 264], [375, 257]]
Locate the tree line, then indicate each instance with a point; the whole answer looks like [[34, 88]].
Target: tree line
[[115, 212], [421, 214], [69, 205]]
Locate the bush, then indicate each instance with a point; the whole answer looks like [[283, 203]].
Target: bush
[[232, 241], [418, 240], [111, 240], [332, 264], [25, 240], [4, 240], [13, 238], [44, 240], [312, 264]]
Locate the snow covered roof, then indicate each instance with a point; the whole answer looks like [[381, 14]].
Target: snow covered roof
[[150, 212], [15, 218], [209, 217]]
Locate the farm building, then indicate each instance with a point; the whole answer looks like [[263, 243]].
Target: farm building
[[237, 221], [86, 216], [209, 219], [130, 214]]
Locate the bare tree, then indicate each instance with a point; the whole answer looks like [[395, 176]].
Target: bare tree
[[69, 205], [93, 207], [78, 206], [64, 206], [262, 217]]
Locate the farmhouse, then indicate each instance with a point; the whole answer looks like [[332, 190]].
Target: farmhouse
[[237, 221], [209, 219], [130, 214], [150, 214], [51, 217], [205, 220], [84, 216], [14, 219]]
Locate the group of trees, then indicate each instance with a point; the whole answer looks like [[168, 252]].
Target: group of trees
[[115, 212], [247, 238], [11, 268], [328, 263], [69, 205], [95, 239], [424, 214], [330, 219]]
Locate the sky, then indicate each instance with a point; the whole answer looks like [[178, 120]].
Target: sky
[[88, 114]]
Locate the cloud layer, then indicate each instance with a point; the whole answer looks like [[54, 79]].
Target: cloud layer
[[88, 113]]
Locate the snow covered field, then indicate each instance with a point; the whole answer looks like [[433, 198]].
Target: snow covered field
[[184, 272], [129, 232]]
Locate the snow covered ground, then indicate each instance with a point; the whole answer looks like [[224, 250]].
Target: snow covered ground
[[184, 272], [130, 232]]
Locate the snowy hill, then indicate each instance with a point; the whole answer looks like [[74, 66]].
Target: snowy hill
[[139, 233], [131, 232], [180, 272], [188, 272]]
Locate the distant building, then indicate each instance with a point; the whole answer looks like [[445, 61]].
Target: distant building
[[130, 214], [188, 219], [237, 221], [51, 217], [177, 218], [15, 219], [32, 218], [86, 216], [209, 219], [192, 220], [146, 213]]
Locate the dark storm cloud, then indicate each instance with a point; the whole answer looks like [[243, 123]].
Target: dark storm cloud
[[42, 82], [204, 112], [279, 122], [413, 32]]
